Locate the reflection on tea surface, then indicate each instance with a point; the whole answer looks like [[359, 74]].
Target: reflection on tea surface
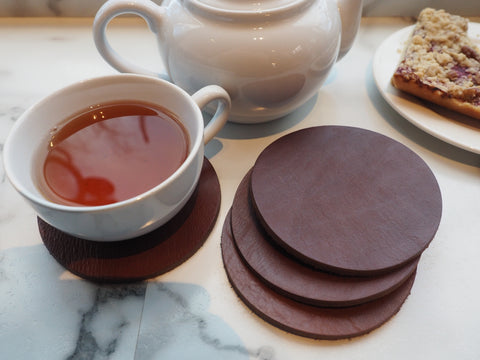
[[111, 153]]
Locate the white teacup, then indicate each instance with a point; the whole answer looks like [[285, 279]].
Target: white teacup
[[137, 215]]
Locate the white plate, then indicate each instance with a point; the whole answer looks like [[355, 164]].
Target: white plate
[[456, 129]]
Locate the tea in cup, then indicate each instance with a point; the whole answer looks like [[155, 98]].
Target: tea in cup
[[114, 157]]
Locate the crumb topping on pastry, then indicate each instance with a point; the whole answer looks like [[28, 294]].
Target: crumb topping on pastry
[[441, 55]]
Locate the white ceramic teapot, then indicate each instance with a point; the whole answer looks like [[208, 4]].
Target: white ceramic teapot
[[270, 55]]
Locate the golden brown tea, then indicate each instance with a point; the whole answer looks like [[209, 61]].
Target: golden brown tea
[[111, 153]]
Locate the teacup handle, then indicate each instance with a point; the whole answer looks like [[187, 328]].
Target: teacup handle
[[152, 13], [206, 95]]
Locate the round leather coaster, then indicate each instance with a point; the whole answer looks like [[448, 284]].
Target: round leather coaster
[[146, 256], [302, 319], [346, 200], [292, 278]]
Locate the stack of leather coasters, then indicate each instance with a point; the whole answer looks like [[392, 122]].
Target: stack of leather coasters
[[326, 230]]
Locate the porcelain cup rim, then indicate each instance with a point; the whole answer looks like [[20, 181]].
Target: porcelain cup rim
[[196, 143]]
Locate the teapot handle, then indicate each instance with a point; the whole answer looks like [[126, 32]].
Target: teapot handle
[[152, 13], [203, 98]]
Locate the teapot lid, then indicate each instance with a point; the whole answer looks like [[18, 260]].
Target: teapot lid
[[240, 8], [242, 5]]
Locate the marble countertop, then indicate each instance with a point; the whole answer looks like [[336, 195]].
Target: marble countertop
[[192, 312]]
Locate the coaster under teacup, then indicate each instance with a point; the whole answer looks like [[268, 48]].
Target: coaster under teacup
[[148, 255]]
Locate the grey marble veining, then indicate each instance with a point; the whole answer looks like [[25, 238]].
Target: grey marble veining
[[82, 320], [179, 326], [103, 326], [77, 319]]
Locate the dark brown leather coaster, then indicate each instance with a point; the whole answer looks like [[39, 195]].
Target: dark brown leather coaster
[[146, 256], [346, 200], [302, 319], [292, 278]]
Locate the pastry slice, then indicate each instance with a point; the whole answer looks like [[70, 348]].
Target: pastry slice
[[441, 64]]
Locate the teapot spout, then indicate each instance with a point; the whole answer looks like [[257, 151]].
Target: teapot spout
[[350, 13]]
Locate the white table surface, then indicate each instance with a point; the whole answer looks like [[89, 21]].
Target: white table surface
[[192, 312]]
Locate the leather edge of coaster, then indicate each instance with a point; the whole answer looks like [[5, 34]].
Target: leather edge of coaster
[[299, 256], [120, 248], [315, 283], [333, 269], [76, 267], [308, 312]]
